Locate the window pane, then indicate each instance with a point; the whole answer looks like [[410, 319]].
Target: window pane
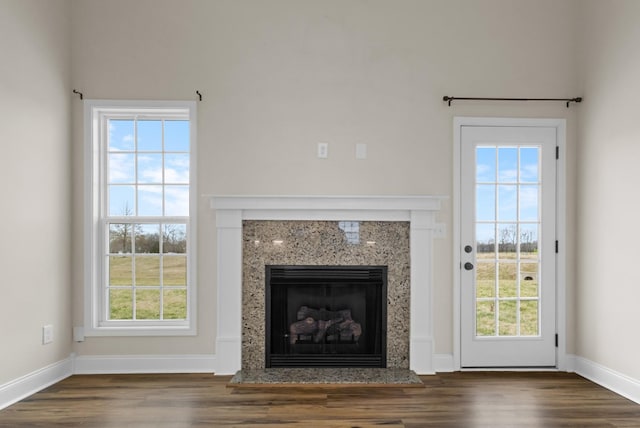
[[176, 200], [486, 279], [529, 319], [121, 135], [529, 279], [507, 203], [485, 318], [150, 135], [120, 270], [147, 270], [121, 200], [507, 280], [120, 304], [147, 304], [507, 164], [176, 135], [529, 203], [147, 238], [486, 202], [174, 238], [149, 200], [174, 270], [121, 168], [529, 166], [176, 168], [174, 304], [120, 238], [150, 168], [486, 164], [485, 240], [507, 240], [507, 319], [529, 241]]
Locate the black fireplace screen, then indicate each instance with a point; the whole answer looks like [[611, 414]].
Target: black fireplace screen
[[326, 316]]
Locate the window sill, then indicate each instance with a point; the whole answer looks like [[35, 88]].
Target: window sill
[[137, 330]]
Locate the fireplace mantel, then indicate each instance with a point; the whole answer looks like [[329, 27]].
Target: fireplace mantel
[[230, 211]]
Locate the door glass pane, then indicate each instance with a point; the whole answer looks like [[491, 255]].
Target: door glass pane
[[507, 282], [486, 164], [508, 325], [529, 241], [529, 166], [507, 164], [485, 280], [507, 240], [529, 319], [485, 318], [528, 202], [485, 240], [508, 203], [528, 279], [486, 211]]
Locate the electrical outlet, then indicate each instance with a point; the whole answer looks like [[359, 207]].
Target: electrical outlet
[[47, 334]]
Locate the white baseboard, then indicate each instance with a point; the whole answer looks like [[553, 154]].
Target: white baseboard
[[443, 363], [29, 384], [604, 376], [125, 364]]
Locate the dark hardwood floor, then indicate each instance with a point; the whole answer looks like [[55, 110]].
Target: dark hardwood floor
[[470, 399]]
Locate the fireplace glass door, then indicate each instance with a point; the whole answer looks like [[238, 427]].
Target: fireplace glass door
[[326, 316]]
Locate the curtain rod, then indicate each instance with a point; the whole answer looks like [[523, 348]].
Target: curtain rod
[[567, 100]]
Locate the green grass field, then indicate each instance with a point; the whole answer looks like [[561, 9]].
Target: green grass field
[[147, 300], [499, 293]]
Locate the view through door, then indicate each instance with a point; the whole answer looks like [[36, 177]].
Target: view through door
[[507, 251]]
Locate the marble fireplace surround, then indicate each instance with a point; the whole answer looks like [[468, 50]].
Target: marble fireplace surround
[[231, 211]]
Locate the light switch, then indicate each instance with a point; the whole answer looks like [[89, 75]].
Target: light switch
[[361, 151], [323, 150]]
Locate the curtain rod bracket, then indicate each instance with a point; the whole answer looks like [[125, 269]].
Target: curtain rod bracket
[[79, 93], [199, 95]]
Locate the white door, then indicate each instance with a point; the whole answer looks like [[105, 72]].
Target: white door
[[508, 246]]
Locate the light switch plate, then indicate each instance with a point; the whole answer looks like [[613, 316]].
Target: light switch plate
[[323, 150]]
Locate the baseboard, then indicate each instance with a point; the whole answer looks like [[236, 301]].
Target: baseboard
[[29, 384], [443, 363], [604, 376], [125, 364]]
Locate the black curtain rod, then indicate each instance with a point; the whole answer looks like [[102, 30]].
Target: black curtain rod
[[567, 100]]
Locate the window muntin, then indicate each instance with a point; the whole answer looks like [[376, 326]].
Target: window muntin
[[142, 217]]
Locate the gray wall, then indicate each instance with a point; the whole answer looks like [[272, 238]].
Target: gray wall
[[35, 183]]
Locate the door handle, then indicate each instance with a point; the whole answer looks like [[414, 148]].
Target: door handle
[[468, 266]]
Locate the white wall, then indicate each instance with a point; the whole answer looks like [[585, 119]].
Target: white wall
[[279, 76], [35, 184], [607, 290]]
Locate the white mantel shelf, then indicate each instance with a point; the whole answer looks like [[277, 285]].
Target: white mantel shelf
[[420, 211]]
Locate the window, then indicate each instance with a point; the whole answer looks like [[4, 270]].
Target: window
[[140, 218]]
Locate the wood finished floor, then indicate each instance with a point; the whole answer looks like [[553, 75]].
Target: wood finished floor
[[471, 399]]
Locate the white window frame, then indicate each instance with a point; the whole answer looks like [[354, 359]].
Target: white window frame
[[95, 305]]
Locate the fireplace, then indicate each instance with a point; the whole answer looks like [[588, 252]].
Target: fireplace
[[326, 316], [256, 231]]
